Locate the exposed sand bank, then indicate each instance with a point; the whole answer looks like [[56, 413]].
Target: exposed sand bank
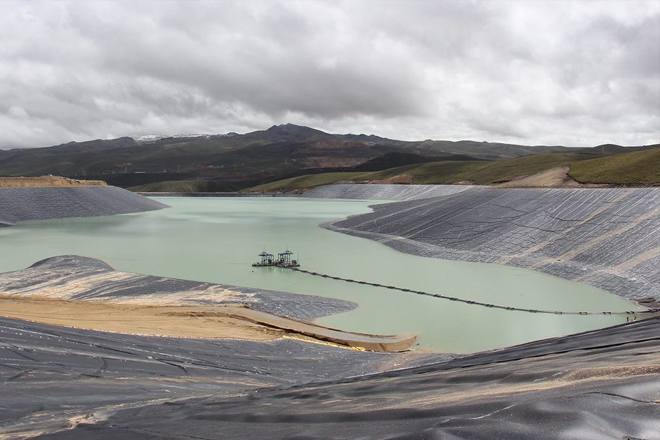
[[86, 293], [201, 322], [46, 181], [180, 322]]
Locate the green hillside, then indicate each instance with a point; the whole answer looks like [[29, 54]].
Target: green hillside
[[635, 168], [239, 161], [442, 172], [638, 168], [231, 161], [181, 186], [308, 181]]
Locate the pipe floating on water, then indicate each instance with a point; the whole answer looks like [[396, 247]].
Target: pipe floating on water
[[478, 303]]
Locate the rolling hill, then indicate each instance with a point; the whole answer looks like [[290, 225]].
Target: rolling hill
[[635, 168], [231, 161], [639, 167]]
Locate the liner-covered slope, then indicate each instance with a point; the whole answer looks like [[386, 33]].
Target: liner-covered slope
[[21, 204], [384, 192], [76, 278], [608, 238], [597, 385]]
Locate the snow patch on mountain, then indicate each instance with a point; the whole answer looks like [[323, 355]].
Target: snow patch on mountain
[[156, 137]]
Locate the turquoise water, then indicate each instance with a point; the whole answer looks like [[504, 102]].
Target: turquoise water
[[216, 240]]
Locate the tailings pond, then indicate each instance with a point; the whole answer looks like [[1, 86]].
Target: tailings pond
[[217, 239]]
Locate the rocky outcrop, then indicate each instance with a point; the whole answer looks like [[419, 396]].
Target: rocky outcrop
[[22, 204]]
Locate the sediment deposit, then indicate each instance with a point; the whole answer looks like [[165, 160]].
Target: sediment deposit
[[46, 181], [44, 203], [605, 237]]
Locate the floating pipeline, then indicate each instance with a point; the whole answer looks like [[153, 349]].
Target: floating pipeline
[[476, 303]]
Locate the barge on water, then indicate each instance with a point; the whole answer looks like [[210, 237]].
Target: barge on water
[[283, 259]]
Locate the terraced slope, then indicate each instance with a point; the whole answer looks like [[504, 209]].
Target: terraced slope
[[606, 237]]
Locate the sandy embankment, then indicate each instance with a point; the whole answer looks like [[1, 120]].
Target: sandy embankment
[[171, 321], [46, 181], [200, 322]]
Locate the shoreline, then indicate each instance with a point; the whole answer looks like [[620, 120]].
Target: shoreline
[[412, 248], [212, 194], [571, 233], [20, 204], [238, 322]]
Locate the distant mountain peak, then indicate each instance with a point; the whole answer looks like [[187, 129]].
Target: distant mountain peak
[[157, 137], [288, 127], [293, 132]]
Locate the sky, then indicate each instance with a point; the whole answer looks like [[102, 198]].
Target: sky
[[575, 73]]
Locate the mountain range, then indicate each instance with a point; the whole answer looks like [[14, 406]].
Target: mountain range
[[229, 162]]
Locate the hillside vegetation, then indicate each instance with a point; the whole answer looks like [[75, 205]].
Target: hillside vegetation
[[238, 161], [638, 168], [233, 162], [181, 186], [635, 168]]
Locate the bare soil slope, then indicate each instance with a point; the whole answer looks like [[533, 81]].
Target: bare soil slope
[[32, 182]]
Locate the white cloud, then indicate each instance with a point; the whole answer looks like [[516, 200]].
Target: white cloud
[[570, 72]]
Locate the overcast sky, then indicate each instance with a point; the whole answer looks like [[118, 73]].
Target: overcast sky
[[558, 72]]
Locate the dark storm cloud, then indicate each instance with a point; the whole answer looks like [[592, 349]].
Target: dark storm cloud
[[575, 73]]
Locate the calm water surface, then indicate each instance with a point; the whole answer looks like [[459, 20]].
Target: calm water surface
[[216, 239]]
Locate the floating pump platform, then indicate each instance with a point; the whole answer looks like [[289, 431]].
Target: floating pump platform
[[284, 259]]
